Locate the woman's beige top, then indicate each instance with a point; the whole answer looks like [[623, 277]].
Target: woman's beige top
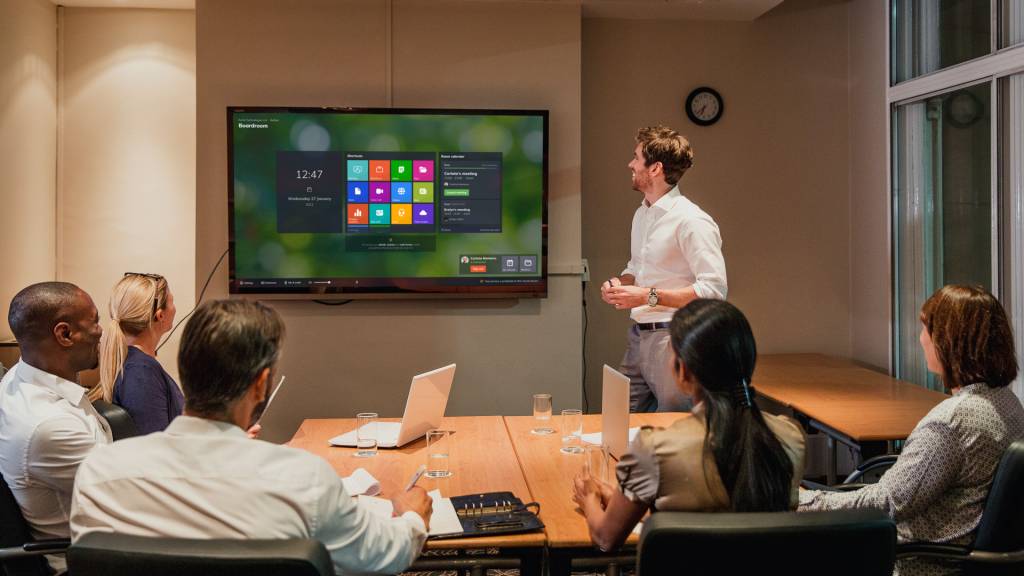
[[667, 467]]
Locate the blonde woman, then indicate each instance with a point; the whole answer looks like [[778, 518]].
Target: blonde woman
[[141, 312]]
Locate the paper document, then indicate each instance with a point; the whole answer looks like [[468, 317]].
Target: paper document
[[361, 482], [595, 437], [443, 522]]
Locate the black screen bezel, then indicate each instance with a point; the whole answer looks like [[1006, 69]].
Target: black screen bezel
[[388, 288]]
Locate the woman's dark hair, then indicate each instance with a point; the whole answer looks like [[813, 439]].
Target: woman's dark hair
[[972, 336], [714, 342]]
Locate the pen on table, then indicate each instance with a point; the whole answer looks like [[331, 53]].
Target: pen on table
[[416, 477]]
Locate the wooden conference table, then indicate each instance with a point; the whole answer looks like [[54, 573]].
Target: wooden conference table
[[849, 403], [488, 453]]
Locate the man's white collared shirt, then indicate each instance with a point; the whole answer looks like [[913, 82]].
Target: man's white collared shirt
[[675, 244], [206, 479], [47, 428]]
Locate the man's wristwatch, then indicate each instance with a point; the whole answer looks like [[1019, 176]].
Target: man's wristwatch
[[652, 298]]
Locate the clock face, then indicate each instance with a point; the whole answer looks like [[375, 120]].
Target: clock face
[[964, 109], [704, 106]]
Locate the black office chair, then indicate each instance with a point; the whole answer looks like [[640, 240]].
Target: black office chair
[[20, 554], [792, 543], [868, 472], [120, 421], [102, 554], [998, 547]]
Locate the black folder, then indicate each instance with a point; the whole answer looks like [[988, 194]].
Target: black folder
[[494, 513]]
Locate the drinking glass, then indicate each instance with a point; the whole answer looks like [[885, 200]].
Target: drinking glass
[[438, 453], [596, 462], [542, 414], [366, 434], [572, 429]]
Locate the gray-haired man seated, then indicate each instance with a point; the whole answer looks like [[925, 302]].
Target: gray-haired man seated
[[204, 478]]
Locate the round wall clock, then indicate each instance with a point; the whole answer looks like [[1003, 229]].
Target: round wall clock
[[704, 106], [964, 109]]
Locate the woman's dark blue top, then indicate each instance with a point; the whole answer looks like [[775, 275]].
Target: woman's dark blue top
[[147, 392]]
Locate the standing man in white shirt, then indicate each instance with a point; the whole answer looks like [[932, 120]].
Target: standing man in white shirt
[[675, 257], [47, 424], [204, 478]]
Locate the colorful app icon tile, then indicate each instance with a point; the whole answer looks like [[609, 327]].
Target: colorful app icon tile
[[380, 192], [423, 214], [423, 170], [358, 214], [401, 169], [358, 191], [380, 214], [358, 170], [380, 169], [423, 192], [401, 214], [401, 191]]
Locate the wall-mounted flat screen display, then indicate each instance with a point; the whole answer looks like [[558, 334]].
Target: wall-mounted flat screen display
[[387, 202]]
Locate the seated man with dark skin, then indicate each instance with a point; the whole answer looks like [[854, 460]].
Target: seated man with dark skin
[[204, 478], [47, 424]]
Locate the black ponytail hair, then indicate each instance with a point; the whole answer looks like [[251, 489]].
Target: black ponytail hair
[[714, 342]]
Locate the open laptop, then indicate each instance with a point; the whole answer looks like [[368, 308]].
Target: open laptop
[[615, 411], [615, 431], [424, 409]]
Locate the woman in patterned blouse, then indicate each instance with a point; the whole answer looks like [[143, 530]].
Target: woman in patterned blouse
[[936, 490]]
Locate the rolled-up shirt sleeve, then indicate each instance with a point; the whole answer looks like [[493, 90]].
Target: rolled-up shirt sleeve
[[638, 472], [360, 542], [927, 467], [701, 244]]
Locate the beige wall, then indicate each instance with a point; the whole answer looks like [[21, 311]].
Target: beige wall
[[28, 146], [360, 356], [773, 172], [870, 263], [128, 141]]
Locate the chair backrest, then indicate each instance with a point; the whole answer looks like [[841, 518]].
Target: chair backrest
[[844, 542], [1002, 523], [120, 421], [102, 554], [14, 533]]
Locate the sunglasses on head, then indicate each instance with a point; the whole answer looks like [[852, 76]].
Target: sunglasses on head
[[145, 275], [155, 277]]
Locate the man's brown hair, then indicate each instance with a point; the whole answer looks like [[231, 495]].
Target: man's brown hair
[[972, 336], [665, 145]]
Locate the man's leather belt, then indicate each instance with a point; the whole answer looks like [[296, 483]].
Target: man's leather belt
[[647, 326]]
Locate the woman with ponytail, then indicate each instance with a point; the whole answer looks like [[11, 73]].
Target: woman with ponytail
[[726, 456], [141, 312]]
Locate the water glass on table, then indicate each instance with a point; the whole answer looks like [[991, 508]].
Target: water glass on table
[[542, 415], [595, 463], [572, 431], [366, 434], [438, 454]]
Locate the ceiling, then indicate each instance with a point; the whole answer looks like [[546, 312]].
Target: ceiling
[[737, 10]]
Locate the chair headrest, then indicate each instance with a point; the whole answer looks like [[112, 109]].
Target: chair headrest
[[99, 553]]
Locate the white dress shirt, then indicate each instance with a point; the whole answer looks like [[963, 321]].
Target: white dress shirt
[[47, 428], [675, 244], [206, 479]]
